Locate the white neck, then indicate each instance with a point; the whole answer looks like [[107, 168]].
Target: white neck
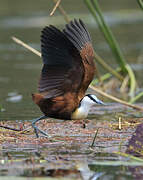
[[82, 111], [86, 103]]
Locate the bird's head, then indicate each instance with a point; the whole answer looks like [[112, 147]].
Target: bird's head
[[90, 100], [84, 106]]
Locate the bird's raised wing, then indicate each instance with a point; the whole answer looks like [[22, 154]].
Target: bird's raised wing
[[67, 58], [78, 34], [63, 70]]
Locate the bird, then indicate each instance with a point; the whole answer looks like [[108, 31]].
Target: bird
[[68, 69]]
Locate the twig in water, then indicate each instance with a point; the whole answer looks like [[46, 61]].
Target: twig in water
[[116, 99], [18, 41], [19, 131], [92, 87], [63, 12], [129, 156], [120, 123], [94, 138], [124, 84], [25, 130], [9, 128], [55, 7]]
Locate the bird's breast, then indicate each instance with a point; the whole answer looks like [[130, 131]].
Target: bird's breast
[[79, 114]]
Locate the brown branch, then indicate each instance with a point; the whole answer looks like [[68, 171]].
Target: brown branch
[[18, 41], [55, 7], [9, 128], [63, 12], [116, 99]]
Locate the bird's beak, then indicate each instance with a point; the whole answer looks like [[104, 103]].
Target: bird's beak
[[97, 101], [100, 102]]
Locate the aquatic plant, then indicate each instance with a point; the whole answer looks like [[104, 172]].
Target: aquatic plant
[[95, 10]]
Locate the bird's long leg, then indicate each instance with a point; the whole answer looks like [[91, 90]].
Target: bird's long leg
[[36, 129]]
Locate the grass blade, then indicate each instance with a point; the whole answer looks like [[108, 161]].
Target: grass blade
[[140, 2], [94, 8], [138, 96]]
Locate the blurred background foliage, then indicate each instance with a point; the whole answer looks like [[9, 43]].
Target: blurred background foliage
[[117, 39]]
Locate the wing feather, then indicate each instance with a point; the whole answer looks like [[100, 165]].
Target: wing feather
[[78, 34], [67, 58], [62, 63]]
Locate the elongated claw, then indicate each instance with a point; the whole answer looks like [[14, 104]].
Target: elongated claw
[[36, 129]]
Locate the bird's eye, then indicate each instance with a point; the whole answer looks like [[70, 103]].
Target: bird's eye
[[95, 99]]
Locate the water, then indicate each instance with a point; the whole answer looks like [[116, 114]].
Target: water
[[20, 69]]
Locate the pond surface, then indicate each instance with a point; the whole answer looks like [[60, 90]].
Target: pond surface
[[20, 71], [70, 151]]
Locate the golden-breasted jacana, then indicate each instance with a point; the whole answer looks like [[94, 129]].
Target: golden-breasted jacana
[[68, 69]]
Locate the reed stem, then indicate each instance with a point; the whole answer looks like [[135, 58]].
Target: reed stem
[[108, 68], [93, 142], [95, 10], [140, 2], [63, 12], [134, 99], [55, 7]]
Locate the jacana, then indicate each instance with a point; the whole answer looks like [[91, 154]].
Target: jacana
[[68, 69]]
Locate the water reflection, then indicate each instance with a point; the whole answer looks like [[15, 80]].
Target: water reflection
[[14, 97]]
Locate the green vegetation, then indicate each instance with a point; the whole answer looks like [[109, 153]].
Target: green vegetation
[[140, 2], [95, 10]]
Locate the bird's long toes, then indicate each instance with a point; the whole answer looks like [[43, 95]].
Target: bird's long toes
[[36, 130], [43, 132]]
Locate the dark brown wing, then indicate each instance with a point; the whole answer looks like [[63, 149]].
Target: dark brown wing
[[67, 71], [63, 70], [77, 33]]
